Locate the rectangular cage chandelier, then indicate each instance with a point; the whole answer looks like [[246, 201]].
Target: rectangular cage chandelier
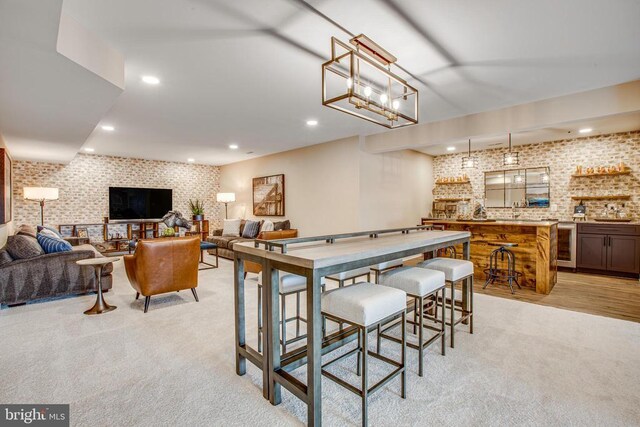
[[359, 81]]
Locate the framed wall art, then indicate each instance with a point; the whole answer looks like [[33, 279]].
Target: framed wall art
[[6, 187], [268, 195]]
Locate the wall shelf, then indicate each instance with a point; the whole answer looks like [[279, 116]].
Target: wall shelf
[[453, 182], [615, 196], [452, 199], [590, 175]]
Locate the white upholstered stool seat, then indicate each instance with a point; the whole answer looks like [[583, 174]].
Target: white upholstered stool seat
[[351, 274], [414, 281], [387, 264], [290, 283], [364, 303], [453, 269]]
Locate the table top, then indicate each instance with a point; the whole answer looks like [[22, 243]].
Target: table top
[[315, 255], [96, 261], [496, 222]]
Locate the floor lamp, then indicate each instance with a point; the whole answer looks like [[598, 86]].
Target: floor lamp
[[226, 198], [40, 194]]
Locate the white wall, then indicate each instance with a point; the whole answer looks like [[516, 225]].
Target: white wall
[[335, 187], [395, 188]]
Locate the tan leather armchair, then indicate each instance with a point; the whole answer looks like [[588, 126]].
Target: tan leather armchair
[[252, 267], [164, 265]]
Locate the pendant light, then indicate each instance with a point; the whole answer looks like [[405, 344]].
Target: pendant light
[[512, 157], [469, 162]]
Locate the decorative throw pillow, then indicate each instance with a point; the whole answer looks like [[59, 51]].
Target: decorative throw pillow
[[5, 258], [251, 229], [49, 231], [53, 245], [231, 228], [282, 225], [266, 226], [27, 230], [22, 247]]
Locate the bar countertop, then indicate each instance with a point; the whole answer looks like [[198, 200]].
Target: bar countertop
[[525, 223], [320, 254]]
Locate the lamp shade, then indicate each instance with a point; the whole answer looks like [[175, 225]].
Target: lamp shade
[[40, 193], [226, 197]]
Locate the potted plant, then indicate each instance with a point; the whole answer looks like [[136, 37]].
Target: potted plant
[[197, 209]]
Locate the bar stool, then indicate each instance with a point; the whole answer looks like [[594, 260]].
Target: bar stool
[[365, 306], [382, 267], [455, 270], [352, 275], [290, 284], [494, 273], [419, 284]]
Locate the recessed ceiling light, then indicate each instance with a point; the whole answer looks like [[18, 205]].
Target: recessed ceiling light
[[89, 150], [451, 148], [312, 122], [233, 146], [108, 128], [191, 160], [151, 80], [585, 130]]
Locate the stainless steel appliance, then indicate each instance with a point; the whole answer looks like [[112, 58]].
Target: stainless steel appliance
[[567, 244]]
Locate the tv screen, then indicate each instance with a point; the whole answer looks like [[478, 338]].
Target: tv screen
[[139, 203]]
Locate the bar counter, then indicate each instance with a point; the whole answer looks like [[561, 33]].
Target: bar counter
[[536, 253]]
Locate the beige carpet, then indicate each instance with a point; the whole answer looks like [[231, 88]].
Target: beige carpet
[[525, 365]]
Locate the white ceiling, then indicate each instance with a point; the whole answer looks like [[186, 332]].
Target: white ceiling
[[49, 104], [248, 72], [606, 125]]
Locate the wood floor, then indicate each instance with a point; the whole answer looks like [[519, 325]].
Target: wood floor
[[588, 293]]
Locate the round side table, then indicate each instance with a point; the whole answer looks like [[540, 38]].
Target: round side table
[[98, 264]]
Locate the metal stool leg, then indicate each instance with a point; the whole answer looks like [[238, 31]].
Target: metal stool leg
[[444, 320], [283, 300], [297, 314], [509, 268], [420, 336], [365, 377], [259, 319], [453, 304]]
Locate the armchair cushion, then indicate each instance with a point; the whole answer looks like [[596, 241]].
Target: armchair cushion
[[20, 246], [251, 229], [27, 230], [231, 228], [52, 245]]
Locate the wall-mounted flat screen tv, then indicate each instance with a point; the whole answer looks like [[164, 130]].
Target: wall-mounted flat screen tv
[[139, 203]]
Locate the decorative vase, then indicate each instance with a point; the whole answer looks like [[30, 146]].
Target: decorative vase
[[198, 217]]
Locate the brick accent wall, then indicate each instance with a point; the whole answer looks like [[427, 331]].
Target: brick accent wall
[[562, 157], [84, 188]]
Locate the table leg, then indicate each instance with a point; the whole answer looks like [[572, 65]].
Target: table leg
[[240, 325], [101, 305], [271, 280], [314, 351], [466, 252]]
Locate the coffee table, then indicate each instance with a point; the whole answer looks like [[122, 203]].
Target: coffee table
[[98, 264]]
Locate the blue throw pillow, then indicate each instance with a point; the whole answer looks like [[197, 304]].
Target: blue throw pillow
[[51, 245], [53, 230], [251, 229]]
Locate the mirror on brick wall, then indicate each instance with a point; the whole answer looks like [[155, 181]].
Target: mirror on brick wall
[[526, 188]]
